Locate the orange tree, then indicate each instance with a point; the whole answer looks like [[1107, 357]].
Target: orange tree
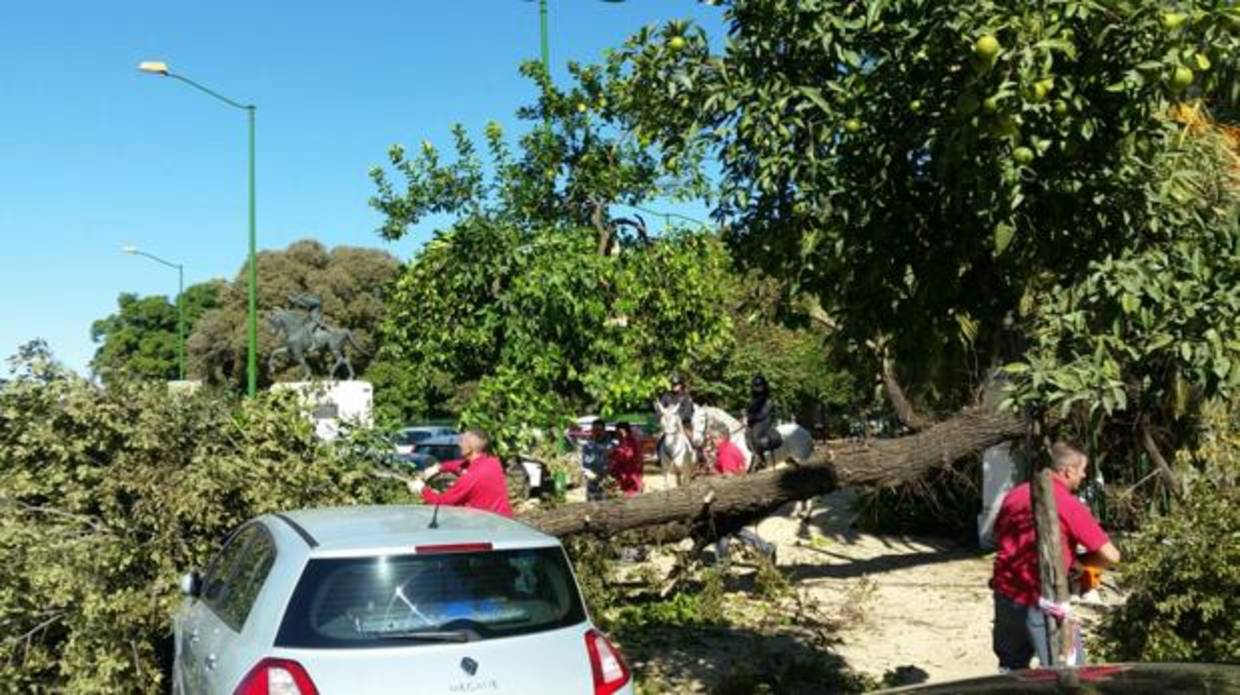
[[960, 182]]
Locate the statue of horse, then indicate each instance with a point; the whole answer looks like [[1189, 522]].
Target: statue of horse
[[676, 447], [304, 336]]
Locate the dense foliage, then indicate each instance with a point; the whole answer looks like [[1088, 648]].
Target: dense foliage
[[1183, 569], [108, 495], [351, 282], [140, 339], [537, 303], [926, 167], [969, 185]]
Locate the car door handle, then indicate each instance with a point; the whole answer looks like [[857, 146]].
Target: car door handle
[[209, 662]]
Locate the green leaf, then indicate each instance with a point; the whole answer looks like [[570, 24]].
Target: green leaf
[[1003, 235]]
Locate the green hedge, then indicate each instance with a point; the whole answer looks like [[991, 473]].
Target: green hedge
[[108, 495], [1183, 568]]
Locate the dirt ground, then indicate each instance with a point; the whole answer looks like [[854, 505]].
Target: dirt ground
[[916, 606]]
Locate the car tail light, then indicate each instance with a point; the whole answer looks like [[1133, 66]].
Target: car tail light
[[610, 671], [276, 677]]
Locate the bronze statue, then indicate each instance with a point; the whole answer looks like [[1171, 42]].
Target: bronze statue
[[305, 333]]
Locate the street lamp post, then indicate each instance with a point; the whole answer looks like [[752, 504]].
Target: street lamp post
[[154, 67], [542, 32], [134, 251]]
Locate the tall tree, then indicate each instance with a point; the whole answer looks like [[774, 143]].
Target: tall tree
[[350, 281], [535, 300], [140, 339], [954, 180]]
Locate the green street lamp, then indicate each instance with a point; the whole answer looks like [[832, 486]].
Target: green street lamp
[[542, 32], [134, 251], [156, 67]]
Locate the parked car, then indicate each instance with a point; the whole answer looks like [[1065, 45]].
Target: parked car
[[391, 599], [406, 438], [445, 447]]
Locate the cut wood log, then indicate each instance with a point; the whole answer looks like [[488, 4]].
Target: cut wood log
[[671, 515]]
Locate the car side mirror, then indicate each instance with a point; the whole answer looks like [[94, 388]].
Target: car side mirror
[[191, 585]]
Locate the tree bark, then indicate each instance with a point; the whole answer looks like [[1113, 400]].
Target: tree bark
[[670, 515], [1051, 571], [904, 409]]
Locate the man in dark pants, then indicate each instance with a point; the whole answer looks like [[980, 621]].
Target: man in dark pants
[[761, 434], [730, 461], [1020, 624], [595, 456]]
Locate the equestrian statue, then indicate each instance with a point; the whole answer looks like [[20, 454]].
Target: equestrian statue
[[306, 333]]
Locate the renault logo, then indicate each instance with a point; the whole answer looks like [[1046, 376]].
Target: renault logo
[[469, 666]]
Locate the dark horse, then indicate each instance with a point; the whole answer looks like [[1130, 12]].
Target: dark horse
[[303, 336]]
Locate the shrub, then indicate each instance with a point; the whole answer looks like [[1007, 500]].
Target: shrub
[[1183, 568], [108, 495]]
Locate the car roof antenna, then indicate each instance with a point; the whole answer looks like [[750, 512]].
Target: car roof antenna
[[435, 517]]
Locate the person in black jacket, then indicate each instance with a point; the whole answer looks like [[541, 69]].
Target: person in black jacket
[[760, 421]]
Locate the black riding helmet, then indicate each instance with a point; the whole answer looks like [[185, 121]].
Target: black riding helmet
[[758, 385], [677, 380]]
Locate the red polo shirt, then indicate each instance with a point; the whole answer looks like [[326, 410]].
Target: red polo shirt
[[729, 460], [482, 485], [1016, 560]]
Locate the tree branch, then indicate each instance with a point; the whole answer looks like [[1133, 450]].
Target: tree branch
[[91, 521], [29, 635], [601, 226], [1164, 469], [904, 409]]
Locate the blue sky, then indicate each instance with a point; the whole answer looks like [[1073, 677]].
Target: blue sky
[[95, 155]]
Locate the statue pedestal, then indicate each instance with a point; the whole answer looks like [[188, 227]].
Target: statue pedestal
[[329, 404], [184, 387]]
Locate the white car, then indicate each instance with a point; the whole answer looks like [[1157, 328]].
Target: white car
[[390, 600], [406, 438]]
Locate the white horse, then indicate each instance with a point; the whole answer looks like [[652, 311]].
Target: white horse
[[676, 447], [796, 446]]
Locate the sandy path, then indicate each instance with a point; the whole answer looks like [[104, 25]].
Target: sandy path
[[917, 605]]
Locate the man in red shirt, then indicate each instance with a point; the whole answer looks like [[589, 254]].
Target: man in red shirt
[[481, 485], [1020, 626], [728, 457], [730, 461]]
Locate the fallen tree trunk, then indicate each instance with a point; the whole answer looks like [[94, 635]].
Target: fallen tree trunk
[[719, 505]]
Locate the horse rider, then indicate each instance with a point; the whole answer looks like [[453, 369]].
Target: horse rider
[[311, 304], [760, 433], [679, 396]]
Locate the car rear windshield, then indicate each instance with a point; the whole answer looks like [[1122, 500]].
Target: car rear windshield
[[349, 603], [440, 452], [408, 437]]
